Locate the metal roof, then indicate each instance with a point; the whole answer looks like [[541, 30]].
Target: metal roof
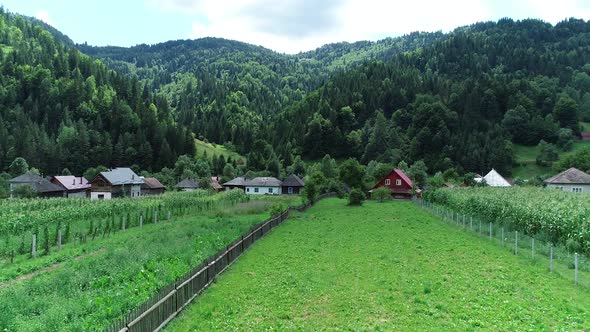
[[239, 181], [152, 183], [71, 182], [188, 184], [121, 176], [263, 182]]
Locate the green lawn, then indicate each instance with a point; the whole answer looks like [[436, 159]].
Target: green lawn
[[216, 149], [104, 279], [525, 158], [586, 126], [382, 267]]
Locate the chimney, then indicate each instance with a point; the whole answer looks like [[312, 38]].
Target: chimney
[[80, 180], [74, 182]]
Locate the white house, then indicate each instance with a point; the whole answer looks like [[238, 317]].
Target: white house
[[493, 179], [263, 186], [572, 180]]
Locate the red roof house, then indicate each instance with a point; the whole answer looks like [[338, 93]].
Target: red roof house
[[398, 183]]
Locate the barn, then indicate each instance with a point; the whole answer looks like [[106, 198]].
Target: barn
[[398, 183]]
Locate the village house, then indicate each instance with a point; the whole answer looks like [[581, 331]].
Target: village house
[[239, 183], [187, 185], [151, 186], [74, 187], [292, 185], [572, 180], [398, 183], [263, 186], [42, 186], [119, 182]]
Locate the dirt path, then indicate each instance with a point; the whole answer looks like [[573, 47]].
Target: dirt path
[[47, 269]]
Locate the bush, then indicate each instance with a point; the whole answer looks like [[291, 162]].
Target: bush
[[356, 197], [381, 194], [276, 209]]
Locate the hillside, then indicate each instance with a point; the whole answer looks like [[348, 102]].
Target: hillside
[[461, 102], [62, 109]]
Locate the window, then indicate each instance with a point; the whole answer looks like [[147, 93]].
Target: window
[[398, 182], [101, 196], [270, 190], [577, 189], [247, 190], [290, 190], [255, 190], [387, 182], [559, 187]]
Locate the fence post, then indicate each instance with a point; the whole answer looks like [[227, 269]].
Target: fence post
[[516, 243], [533, 247], [59, 239], [479, 226], [490, 231], [123, 224], [551, 257], [502, 236], [576, 268], [34, 246], [471, 222], [169, 215], [141, 220], [156, 217]]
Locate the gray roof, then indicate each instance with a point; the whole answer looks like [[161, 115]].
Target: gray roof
[[293, 181], [121, 176], [36, 182], [570, 176], [264, 182], [239, 181], [188, 184]]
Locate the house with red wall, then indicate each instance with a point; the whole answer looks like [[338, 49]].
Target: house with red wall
[[398, 183]]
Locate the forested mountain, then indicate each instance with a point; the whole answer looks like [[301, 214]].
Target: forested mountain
[[452, 100], [62, 109], [228, 91], [461, 101]]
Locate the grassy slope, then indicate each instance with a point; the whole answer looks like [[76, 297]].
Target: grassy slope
[[124, 271], [384, 267], [526, 156], [216, 149]]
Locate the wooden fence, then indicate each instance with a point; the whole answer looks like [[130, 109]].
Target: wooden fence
[[154, 314]]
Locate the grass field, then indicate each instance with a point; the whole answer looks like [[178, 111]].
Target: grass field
[[586, 126], [382, 267], [216, 149], [525, 158], [90, 285]]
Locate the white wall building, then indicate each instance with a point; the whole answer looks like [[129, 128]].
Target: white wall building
[[263, 186], [572, 180]]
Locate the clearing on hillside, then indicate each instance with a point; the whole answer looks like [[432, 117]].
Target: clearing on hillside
[[384, 266]]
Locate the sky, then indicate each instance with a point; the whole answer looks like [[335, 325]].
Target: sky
[[286, 26]]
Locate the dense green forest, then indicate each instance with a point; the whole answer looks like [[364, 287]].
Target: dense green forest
[[458, 100], [62, 109]]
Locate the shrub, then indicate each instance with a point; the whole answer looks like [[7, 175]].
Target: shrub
[[381, 194], [356, 197]]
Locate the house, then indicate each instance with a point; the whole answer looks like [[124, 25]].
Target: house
[[398, 183], [40, 185], [239, 182], [493, 179], [585, 135], [118, 182], [215, 183], [292, 185], [75, 187], [263, 186], [187, 185], [151, 186], [572, 180]]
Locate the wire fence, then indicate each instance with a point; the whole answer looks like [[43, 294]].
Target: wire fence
[[158, 311], [558, 259]]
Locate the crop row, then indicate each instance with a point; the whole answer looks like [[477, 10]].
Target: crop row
[[552, 215]]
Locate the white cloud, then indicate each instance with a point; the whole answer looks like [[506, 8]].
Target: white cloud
[[43, 15], [292, 26]]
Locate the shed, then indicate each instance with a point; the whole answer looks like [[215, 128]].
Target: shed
[[152, 186], [74, 186], [292, 185], [187, 185], [398, 183], [42, 186]]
